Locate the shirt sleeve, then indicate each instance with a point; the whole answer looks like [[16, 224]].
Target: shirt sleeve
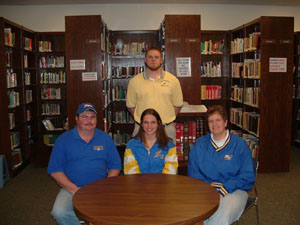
[[193, 170], [113, 160], [131, 165], [171, 161], [57, 158], [177, 96], [131, 96]]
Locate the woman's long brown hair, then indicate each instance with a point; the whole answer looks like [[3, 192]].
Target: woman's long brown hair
[[161, 135]]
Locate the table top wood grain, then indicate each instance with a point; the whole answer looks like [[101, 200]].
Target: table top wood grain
[[146, 199]]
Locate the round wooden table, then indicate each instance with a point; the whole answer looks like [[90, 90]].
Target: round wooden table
[[146, 199]]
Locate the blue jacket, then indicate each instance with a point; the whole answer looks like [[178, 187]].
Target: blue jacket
[[227, 168], [137, 159]]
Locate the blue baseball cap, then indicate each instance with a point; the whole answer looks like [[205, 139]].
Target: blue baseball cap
[[86, 107]]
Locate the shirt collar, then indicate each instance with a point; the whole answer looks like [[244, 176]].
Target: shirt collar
[[146, 76]]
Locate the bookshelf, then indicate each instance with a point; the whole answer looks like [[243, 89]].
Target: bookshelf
[[86, 33], [215, 67], [296, 91], [18, 94], [52, 91], [127, 60], [180, 37], [261, 94]]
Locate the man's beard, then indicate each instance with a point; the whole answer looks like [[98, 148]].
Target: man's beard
[[153, 68]]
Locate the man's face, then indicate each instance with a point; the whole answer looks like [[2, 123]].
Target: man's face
[[153, 60], [86, 121]]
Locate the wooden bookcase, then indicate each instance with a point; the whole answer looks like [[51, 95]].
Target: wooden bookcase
[[296, 91], [84, 41], [261, 94], [18, 94], [51, 92], [180, 36], [127, 60]]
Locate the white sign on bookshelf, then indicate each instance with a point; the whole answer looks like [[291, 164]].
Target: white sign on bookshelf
[[89, 76], [183, 67], [278, 65], [77, 64]]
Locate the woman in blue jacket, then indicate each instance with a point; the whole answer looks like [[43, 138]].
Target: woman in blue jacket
[[223, 160], [151, 150]]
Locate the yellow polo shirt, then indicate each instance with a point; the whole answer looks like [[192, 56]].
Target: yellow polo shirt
[[162, 94]]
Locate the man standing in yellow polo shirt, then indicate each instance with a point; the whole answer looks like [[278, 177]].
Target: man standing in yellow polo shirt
[[157, 89]]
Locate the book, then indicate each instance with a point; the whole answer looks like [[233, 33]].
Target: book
[[48, 124]]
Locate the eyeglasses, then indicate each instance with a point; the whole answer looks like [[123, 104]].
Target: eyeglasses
[[88, 117]]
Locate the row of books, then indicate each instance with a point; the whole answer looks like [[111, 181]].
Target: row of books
[[236, 116], [237, 46], [133, 48], [50, 93], [28, 44], [104, 42], [186, 135], [211, 69], [45, 46], [237, 93], [122, 117], [210, 47], [125, 72], [14, 139], [237, 69], [251, 43], [106, 97], [13, 99], [27, 78], [51, 109], [211, 92], [250, 68], [118, 93], [54, 124], [28, 115], [253, 142], [53, 77], [120, 138], [251, 121], [247, 120], [49, 139], [28, 96], [26, 61], [252, 96], [8, 58], [11, 119], [52, 61], [9, 37], [16, 158], [11, 78]]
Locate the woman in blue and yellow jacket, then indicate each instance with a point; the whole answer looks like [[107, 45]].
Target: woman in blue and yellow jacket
[[151, 150]]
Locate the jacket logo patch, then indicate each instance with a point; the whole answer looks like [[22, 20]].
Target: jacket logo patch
[[157, 154], [98, 148], [228, 157]]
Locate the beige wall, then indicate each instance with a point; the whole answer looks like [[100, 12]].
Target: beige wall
[[143, 16]]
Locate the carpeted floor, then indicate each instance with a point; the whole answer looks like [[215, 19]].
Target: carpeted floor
[[28, 198]]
